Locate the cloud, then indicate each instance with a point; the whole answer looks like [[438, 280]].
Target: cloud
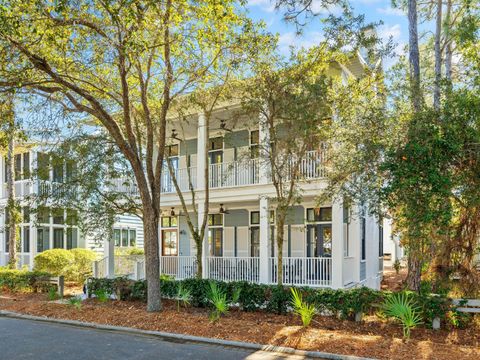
[[306, 40], [390, 11], [265, 5], [386, 32]]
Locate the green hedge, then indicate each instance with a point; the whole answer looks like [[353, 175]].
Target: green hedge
[[17, 280], [275, 299], [74, 265]]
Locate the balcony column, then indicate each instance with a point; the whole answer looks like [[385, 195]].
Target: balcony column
[[264, 232], [205, 245], [201, 151], [264, 150], [337, 244]]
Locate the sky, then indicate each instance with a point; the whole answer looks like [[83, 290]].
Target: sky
[[395, 23]]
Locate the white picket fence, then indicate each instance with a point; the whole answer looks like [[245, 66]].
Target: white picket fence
[[302, 271], [100, 268]]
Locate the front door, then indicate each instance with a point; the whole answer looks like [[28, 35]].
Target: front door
[[319, 240], [169, 242]]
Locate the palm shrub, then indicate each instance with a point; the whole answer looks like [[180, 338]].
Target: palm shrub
[[183, 296], [303, 309], [402, 307], [52, 293], [75, 302], [218, 299]]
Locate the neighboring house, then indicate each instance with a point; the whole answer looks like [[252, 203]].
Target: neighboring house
[[49, 228], [392, 249], [325, 245]]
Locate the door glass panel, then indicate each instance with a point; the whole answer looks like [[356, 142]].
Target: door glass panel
[[327, 240], [170, 242], [255, 241], [215, 239]]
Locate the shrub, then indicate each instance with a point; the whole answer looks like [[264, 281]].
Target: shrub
[[304, 310], [19, 280], [81, 268], [52, 293], [75, 302], [56, 261], [183, 296], [278, 299], [401, 306], [102, 295], [218, 299]]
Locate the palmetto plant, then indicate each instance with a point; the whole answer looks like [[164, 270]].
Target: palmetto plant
[[183, 296], [401, 306], [304, 310], [218, 298], [101, 295], [76, 302]]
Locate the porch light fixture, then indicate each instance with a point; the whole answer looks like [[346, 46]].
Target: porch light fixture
[[172, 212], [174, 135], [222, 210]]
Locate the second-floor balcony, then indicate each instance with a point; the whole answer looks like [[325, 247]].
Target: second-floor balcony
[[228, 175]]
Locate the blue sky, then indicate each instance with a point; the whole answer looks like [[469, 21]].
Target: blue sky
[[395, 23]]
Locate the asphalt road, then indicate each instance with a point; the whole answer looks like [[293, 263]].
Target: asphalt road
[[26, 339]]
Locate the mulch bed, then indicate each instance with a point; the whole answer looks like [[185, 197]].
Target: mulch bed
[[372, 338]]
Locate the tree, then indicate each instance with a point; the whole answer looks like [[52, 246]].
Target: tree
[[8, 136], [123, 63], [290, 97]]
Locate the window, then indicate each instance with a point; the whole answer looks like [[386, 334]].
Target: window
[[26, 239], [319, 214], [171, 150], [58, 169], [58, 216], [346, 231], [169, 221], [43, 215], [215, 234], [124, 237], [215, 219], [7, 239], [70, 170], [72, 238], [18, 166], [255, 241], [215, 143], [72, 217], [380, 237], [255, 217], [254, 143], [58, 242], [363, 234], [43, 239], [26, 165], [116, 237], [169, 243]]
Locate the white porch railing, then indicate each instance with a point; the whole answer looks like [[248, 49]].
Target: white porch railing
[[313, 165], [235, 173], [100, 268], [309, 271], [186, 179], [180, 267], [22, 188], [234, 268], [124, 186]]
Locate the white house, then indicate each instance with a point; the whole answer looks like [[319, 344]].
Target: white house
[[50, 228], [326, 245]]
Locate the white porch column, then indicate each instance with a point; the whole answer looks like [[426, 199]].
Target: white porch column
[[201, 151], [109, 252], [205, 245], [264, 150], [337, 244], [33, 216], [264, 231]]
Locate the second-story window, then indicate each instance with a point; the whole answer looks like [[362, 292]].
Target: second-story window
[[254, 143], [43, 166], [215, 150]]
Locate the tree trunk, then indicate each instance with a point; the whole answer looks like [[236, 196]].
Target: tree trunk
[[438, 57], [448, 49], [11, 204], [414, 272], [414, 56], [152, 259], [199, 243], [280, 235]]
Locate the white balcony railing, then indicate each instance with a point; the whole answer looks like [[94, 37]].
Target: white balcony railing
[[124, 186], [309, 271], [234, 268], [180, 267], [186, 179], [227, 174], [235, 173], [22, 188]]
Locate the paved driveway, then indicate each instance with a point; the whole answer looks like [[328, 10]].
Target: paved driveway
[[26, 339]]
